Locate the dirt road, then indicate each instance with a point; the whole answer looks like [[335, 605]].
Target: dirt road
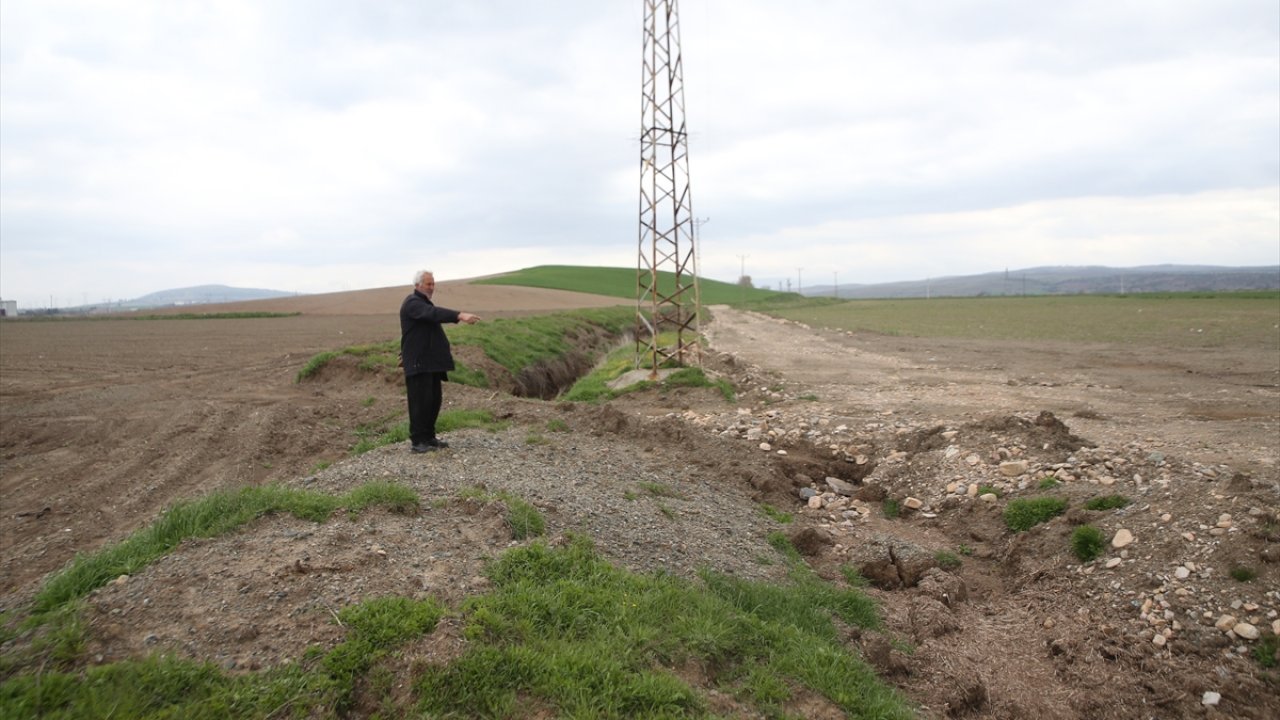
[[1216, 406]]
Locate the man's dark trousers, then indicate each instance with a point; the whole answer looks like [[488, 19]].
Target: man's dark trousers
[[424, 391]]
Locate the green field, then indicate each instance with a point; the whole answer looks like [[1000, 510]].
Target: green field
[[621, 282], [1192, 320]]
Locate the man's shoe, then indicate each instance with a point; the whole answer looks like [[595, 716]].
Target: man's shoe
[[437, 442], [422, 447]]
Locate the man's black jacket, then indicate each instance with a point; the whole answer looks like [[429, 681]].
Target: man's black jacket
[[423, 345]]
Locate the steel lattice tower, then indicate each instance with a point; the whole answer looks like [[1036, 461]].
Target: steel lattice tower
[[667, 299]]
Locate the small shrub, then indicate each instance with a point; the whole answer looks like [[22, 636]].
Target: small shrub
[[1087, 543], [946, 560], [1049, 482], [1025, 513], [1266, 650], [892, 508], [989, 490], [965, 550], [1242, 573], [1107, 502]]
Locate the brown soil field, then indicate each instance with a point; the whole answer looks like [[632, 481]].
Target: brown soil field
[[105, 423]]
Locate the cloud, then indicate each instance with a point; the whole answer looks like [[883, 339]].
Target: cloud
[[158, 144]]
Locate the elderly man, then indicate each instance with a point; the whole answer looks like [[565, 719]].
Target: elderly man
[[424, 349]]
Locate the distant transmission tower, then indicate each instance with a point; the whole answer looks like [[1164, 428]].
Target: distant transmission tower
[[667, 299]]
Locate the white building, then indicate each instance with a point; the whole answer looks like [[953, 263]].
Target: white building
[[8, 308]]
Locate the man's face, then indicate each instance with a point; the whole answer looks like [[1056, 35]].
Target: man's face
[[427, 286]]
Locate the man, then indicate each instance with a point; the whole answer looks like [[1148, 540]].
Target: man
[[424, 350]]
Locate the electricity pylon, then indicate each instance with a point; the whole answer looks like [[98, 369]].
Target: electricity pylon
[[667, 299]]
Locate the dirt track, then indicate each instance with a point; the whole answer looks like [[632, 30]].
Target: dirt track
[[107, 423]]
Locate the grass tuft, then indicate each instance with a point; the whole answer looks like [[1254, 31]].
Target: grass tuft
[[774, 513], [1107, 502], [1087, 543], [1025, 513]]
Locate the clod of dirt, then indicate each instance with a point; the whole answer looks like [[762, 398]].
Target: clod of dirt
[[887, 661], [930, 619], [811, 541], [943, 586]]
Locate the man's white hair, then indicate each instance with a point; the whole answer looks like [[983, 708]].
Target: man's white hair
[[417, 277]]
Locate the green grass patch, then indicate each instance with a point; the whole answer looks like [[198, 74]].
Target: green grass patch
[[525, 519], [1087, 543], [1170, 320], [946, 560], [1025, 513], [594, 387], [210, 516], [989, 490], [1265, 651], [780, 542], [557, 425], [1048, 482], [566, 633], [891, 508], [621, 283], [775, 514], [1243, 573], [1107, 502]]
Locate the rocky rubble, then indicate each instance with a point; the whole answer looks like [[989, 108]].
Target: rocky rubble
[[1191, 564]]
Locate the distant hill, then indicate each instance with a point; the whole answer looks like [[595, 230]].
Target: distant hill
[[1070, 280], [619, 282], [204, 294], [180, 297]]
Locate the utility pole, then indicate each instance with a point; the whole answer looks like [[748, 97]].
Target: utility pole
[[667, 229], [835, 284], [799, 282]]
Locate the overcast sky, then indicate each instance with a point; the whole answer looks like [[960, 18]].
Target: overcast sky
[[319, 146]]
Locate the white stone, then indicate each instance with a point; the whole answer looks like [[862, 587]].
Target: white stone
[[1210, 698], [1226, 622], [1159, 640], [1182, 573], [973, 490], [766, 446], [1246, 631], [1114, 562], [815, 502], [913, 503], [1013, 468], [988, 497], [1122, 538]]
